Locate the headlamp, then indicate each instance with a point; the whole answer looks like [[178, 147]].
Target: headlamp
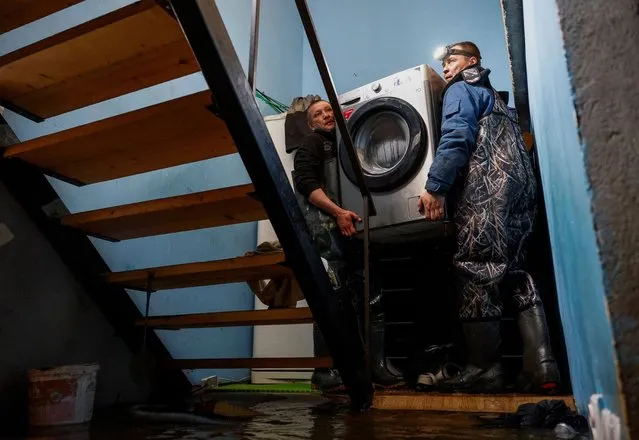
[[443, 52]]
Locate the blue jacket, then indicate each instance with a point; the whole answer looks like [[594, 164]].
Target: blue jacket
[[464, 105]]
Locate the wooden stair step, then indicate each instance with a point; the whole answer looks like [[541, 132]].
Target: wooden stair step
[[129, 49], [403, 400], [233, 270], [171, 133], [17, 13], [293, 362], [301, 315], [208, 209]]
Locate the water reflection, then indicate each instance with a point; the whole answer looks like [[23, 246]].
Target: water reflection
[[304, 417]]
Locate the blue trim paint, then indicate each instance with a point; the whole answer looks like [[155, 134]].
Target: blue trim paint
[[578, 268], [279, 75]]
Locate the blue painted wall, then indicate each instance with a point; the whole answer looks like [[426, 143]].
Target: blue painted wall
[[279, 75], [580, 286], [364, 40]]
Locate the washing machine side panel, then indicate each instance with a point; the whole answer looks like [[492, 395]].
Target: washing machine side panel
[[350, 196], [434, 87]]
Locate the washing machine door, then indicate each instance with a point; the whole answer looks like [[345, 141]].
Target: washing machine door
[[390, 140]]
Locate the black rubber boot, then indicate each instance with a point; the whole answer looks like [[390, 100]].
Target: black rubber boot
[[540, 373], [324, 379], [383, 373], [483, 372]]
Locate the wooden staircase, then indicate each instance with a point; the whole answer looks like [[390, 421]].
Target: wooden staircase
[[233, 270], [20, 12], [131, 143], [139, 46], [129, 49], [208, 209], [231, 319]]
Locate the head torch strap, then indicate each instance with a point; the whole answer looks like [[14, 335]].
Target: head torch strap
[[459, 52], [448, 51]]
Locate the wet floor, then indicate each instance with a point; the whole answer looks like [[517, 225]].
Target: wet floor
[[300, 417]]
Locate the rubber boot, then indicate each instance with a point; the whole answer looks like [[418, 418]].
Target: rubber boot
[[382, 371], [483, 372], [540, 372], [323, 379]]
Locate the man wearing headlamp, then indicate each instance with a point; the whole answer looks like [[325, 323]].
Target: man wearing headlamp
[[482, 167]]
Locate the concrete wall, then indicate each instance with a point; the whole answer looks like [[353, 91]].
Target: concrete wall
[[46, 319], [601, 47], [588, 162], [364, 40], [279, 75]]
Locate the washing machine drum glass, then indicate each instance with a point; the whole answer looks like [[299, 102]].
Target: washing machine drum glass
[[390, 140], [381, 142]]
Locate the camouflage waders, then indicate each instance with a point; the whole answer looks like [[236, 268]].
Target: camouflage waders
[[329, 243], [494, 217], [323, 228]]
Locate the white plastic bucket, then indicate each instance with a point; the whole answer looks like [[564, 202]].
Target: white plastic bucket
[[62, 395]]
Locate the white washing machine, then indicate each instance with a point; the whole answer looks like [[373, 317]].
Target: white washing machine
[[395, 126]]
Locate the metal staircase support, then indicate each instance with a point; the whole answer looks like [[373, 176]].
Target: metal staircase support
[[235, 103]]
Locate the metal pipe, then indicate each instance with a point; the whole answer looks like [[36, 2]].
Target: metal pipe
[[513, 15], [311, 34], [367, 287], [255, 36], [149, 290], [369, 206]]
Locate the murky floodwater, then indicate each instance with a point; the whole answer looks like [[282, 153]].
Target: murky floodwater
[[301, 417]]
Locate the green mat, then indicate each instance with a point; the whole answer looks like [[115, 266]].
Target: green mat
[[293, 387]]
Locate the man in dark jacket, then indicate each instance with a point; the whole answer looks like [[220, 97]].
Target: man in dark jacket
[[483, 167], [316, 178]]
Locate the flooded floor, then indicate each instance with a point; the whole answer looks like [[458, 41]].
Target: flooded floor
[[297, 417]]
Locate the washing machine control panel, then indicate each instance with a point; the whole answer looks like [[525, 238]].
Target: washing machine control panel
[[407, 83], [409, 80]]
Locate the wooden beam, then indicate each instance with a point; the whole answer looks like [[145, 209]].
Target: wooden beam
[[297, 362], [300, 315], [485, 403], [17, 13], [129, 49], [233, 270], [171, 133], [208, 209]]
